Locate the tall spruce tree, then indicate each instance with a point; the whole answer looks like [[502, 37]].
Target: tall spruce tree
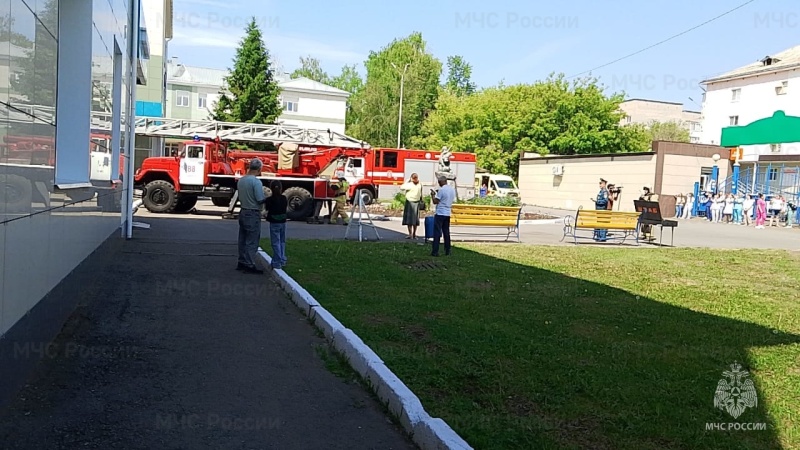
[[251, 83]]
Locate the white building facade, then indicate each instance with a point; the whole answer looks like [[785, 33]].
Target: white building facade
[[192, 93], [82, 59], [750, 93]]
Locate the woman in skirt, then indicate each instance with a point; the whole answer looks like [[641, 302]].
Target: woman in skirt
[[413, 191]]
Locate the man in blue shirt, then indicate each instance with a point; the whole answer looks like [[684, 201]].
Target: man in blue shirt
[[251, 197], [441, 220]]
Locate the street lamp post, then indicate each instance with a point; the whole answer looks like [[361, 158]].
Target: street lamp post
[[400, 115]]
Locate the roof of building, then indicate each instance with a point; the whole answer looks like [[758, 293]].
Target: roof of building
[[8, 49], [650, 101], [787, 59], [307, 84], [204, 76]]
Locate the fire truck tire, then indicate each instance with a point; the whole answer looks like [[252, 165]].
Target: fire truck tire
[[16, 193], [301, 203], [160, 197], [368, 196], [223, 202], [185, 203]]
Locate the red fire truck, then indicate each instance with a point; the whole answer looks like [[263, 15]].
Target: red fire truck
[[29, 164], [304, 163], [205, 165]]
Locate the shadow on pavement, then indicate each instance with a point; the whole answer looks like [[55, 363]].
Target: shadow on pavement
[[170, 347]]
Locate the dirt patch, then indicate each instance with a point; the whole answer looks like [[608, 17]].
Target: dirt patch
[[376, 319], [426, 265], [521, 406]]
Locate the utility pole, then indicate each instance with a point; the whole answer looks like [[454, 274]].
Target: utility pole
[[400, 115]]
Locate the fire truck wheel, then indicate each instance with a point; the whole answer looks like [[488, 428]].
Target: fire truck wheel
[[16, 193], [368, 196], [185, 203], [223, 202], [160, 197], [301, 203]]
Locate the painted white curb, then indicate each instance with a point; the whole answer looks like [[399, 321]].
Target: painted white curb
[[521, 222], [427, 432]]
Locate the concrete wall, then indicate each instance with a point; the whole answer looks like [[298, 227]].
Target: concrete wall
[[579, 183], [670, 169]]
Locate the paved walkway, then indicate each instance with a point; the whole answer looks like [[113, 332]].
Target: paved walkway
[[172, 348], [689, 233]]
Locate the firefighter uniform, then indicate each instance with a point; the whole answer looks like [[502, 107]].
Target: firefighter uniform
[[340, 209]]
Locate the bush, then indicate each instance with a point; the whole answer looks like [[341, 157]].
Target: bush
[[491, 201], [399, 201]]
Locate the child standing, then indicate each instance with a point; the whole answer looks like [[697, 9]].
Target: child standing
[[738, 209], [276, 206]]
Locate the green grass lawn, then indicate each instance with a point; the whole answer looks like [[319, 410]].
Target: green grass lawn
[[523, 347]]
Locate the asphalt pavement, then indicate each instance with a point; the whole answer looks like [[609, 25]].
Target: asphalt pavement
[[172, 348]]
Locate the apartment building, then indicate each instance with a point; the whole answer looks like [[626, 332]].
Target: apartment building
[[642, 111]]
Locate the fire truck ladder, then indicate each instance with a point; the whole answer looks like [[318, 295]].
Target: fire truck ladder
[[244, 132], [362, 210]]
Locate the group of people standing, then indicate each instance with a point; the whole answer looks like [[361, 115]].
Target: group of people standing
[[740, 209], [443, 199]]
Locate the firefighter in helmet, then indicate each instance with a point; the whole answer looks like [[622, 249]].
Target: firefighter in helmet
[[340, 186]]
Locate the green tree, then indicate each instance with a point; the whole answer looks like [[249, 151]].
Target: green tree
[[253, 88], [547, 117], [7, 33], [376, 105], [459, 76], [311, 68], [37, 76], [674, 131], [348, 80]]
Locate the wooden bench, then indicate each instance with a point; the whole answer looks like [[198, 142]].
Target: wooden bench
[[651, 216], [601, 219], [487, 216]]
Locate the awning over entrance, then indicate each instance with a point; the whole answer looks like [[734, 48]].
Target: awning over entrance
[[778, 129]]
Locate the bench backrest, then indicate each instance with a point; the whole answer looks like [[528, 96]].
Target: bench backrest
[[603, 216], [508, 214], [651, 211]]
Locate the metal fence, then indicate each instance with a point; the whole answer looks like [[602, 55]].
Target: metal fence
[[768, 179], [779, 179]]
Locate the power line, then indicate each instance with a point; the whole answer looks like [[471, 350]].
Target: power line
[[666, 40]]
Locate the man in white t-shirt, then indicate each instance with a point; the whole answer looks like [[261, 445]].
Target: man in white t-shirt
[[441, 220]]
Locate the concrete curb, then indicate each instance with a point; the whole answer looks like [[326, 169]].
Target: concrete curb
[[427, 432]]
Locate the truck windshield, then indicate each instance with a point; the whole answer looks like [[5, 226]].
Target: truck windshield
[[504, 184]]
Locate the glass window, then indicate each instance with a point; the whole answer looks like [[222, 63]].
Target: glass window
[[22, 57], [202, 101], [389, 159], [182, 98]]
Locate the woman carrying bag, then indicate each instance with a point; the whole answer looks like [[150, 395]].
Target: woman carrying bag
[[413, 192]]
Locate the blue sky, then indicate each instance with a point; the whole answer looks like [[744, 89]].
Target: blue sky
[[514, 41]]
